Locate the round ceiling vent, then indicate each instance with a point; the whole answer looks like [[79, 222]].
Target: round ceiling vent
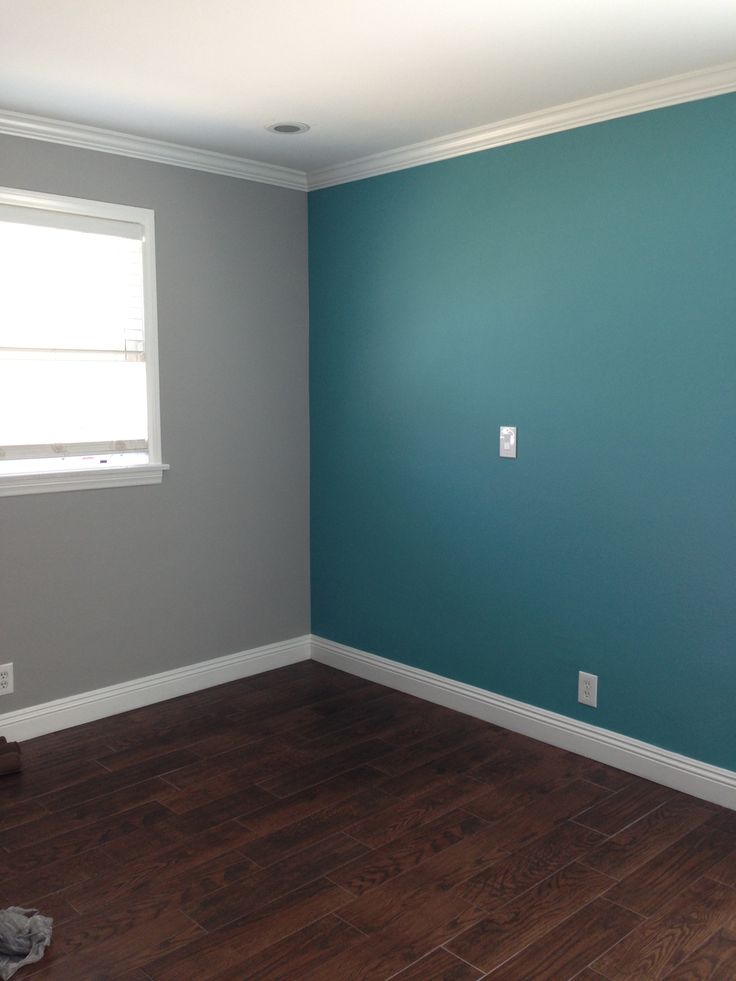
[[288, 129]]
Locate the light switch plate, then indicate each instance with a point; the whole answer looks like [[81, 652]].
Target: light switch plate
[[507, 442]]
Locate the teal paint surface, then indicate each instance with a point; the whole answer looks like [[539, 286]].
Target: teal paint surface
[[582, 287]]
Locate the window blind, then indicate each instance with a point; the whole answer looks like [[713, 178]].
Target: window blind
[[72, 335]]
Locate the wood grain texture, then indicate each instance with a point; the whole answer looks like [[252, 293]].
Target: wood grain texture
[[261, 886], [624, 807], [408, 938], [435, 878], [269, 848], [296, 778], [404, 815], [440, 965], [190, 875], [715, 960], [525, 786], [287, 811], [679, 865], [524, 868], [305, 824], [227, 946], [626, 850], [296, 954], [77, 843], [664, 940], [565, 950], [529, 917], [405, 852]]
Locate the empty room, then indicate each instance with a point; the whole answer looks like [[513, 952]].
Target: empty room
[[367, 481]]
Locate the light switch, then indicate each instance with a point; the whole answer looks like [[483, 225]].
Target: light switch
[[508, 442]]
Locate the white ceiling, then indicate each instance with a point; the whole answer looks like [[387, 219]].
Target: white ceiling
[[368, 77]]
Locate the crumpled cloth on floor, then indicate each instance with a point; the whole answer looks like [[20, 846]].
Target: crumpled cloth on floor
[[24, 937]]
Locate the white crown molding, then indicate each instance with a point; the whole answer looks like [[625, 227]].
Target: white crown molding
[[37, 720], [690, 776], [611, 105], [143, 148]]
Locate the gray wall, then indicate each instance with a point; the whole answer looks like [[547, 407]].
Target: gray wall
[[100, 586]]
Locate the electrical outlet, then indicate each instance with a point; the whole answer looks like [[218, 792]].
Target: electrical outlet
[[6, 679], [587, 689]]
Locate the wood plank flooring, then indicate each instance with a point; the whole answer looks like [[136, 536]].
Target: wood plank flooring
[[305, 824]]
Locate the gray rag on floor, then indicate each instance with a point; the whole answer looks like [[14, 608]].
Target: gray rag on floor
[[24, 937]]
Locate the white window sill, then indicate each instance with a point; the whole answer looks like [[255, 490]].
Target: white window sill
[[67, 480]]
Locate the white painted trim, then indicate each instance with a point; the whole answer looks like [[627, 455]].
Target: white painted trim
[[37, 720], [144, 148], [136, 475], [611, 105], [695, 85], [681, 772], [690, 776], [125, 217]]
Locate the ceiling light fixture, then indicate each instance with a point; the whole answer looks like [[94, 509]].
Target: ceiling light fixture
[[287, 129]]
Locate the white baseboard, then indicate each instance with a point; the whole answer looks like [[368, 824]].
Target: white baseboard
[[690, 776], [37, 720], [680, 772]]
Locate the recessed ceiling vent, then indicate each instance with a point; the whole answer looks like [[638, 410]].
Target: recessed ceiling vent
[[288, 129]]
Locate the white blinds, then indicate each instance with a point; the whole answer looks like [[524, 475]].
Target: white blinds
[[71, 221], [72, 340]]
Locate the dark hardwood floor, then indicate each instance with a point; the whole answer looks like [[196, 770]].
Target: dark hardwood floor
[[305, 824]]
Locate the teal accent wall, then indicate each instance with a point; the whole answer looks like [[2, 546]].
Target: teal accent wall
[[581, 286]]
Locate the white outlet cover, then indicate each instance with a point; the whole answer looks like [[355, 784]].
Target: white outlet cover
[[588, 689], [6, 679]]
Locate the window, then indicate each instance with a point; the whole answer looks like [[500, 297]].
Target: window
[[78, 363]]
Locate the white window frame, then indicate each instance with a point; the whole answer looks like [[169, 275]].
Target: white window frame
[[123, 475]]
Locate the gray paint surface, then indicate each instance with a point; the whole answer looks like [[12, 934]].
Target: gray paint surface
[[102, 586]]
